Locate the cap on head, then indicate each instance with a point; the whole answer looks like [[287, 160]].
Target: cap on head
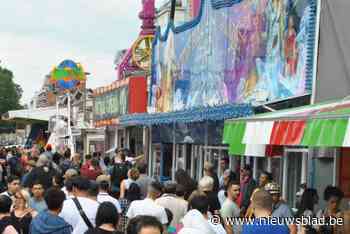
[[70, 173], [103, 178], [273, 188], [42, 161]]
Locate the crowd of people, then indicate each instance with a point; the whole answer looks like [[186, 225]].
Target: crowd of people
[[59, 193]]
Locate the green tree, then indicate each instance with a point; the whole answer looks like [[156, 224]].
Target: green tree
[[10, 92]]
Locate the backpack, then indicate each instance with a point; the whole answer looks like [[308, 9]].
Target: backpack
[[119, 173]]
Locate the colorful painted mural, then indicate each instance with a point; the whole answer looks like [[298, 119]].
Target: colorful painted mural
[[249, 51]]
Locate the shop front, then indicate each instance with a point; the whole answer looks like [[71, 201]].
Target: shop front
[[309, 143], [121, 98], [186, 139]]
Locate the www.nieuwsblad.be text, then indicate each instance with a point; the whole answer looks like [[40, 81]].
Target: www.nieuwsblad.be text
[[331, 221]]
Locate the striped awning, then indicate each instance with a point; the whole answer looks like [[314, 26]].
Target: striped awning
[[322, 125]]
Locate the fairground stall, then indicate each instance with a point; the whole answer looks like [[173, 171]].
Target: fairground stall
[[122, 97], [309, 144]]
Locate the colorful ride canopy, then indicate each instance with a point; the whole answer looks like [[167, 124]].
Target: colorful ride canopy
[[67, 75], [248, 51]]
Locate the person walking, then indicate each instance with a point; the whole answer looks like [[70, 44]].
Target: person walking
[[169, 200], [333, 196], [306, 209], [37, 201], [44, 172], [144, 180], [133, 175], [262, 203], [210, 171], [248, 185], [22, 214], [206, 185], [144, 224], [227, 177], [196, 219], [280, 208], [49, 220], [80, 211], [118, 171], [148, 205], [230, 208], [182, 178], [6, 223], [13, 186], [107, 218], [104, 183], [133, 194]]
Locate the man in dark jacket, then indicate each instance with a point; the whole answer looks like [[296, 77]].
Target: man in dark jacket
[[48, 221], [44, 172], [248, 185]]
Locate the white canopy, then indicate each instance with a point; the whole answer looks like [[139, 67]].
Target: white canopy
[[41, 114]]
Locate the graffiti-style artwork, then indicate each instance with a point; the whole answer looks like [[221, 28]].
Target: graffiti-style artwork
[[254, 51]]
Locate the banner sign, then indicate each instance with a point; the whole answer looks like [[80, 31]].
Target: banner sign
[[251, 51], [111, 104]]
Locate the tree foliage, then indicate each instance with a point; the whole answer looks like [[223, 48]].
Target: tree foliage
[[10, 92]]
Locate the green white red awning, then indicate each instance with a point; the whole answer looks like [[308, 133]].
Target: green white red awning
[[322, 125]]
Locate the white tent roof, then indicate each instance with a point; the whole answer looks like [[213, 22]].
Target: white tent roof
[[42, 114]]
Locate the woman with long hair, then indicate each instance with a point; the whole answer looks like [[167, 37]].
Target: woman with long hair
[[107, 218], [133, 175], [306, 209], [21, 214], [132, 194], [185, 180]]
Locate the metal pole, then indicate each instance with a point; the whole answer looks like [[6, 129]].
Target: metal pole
[[317, 38], [206, 141], [304, 167], [193, 158], [172, 10], [255, 168], [336, 167], [55, 130], [150, 153], [84, 131], [70, 142], [174, 155], [285, 175], [269, 164]]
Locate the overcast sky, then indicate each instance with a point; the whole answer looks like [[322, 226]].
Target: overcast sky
[[38, 34]]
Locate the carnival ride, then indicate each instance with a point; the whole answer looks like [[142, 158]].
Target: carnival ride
[[139, 56]]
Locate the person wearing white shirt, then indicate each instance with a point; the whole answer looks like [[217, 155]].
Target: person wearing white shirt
[[68, 175], [230, 208], [176, 205], [70, 212], [198, 217], [148, 205], [103, 196]]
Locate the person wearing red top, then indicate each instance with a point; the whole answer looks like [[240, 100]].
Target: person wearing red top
[[91, 169]]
